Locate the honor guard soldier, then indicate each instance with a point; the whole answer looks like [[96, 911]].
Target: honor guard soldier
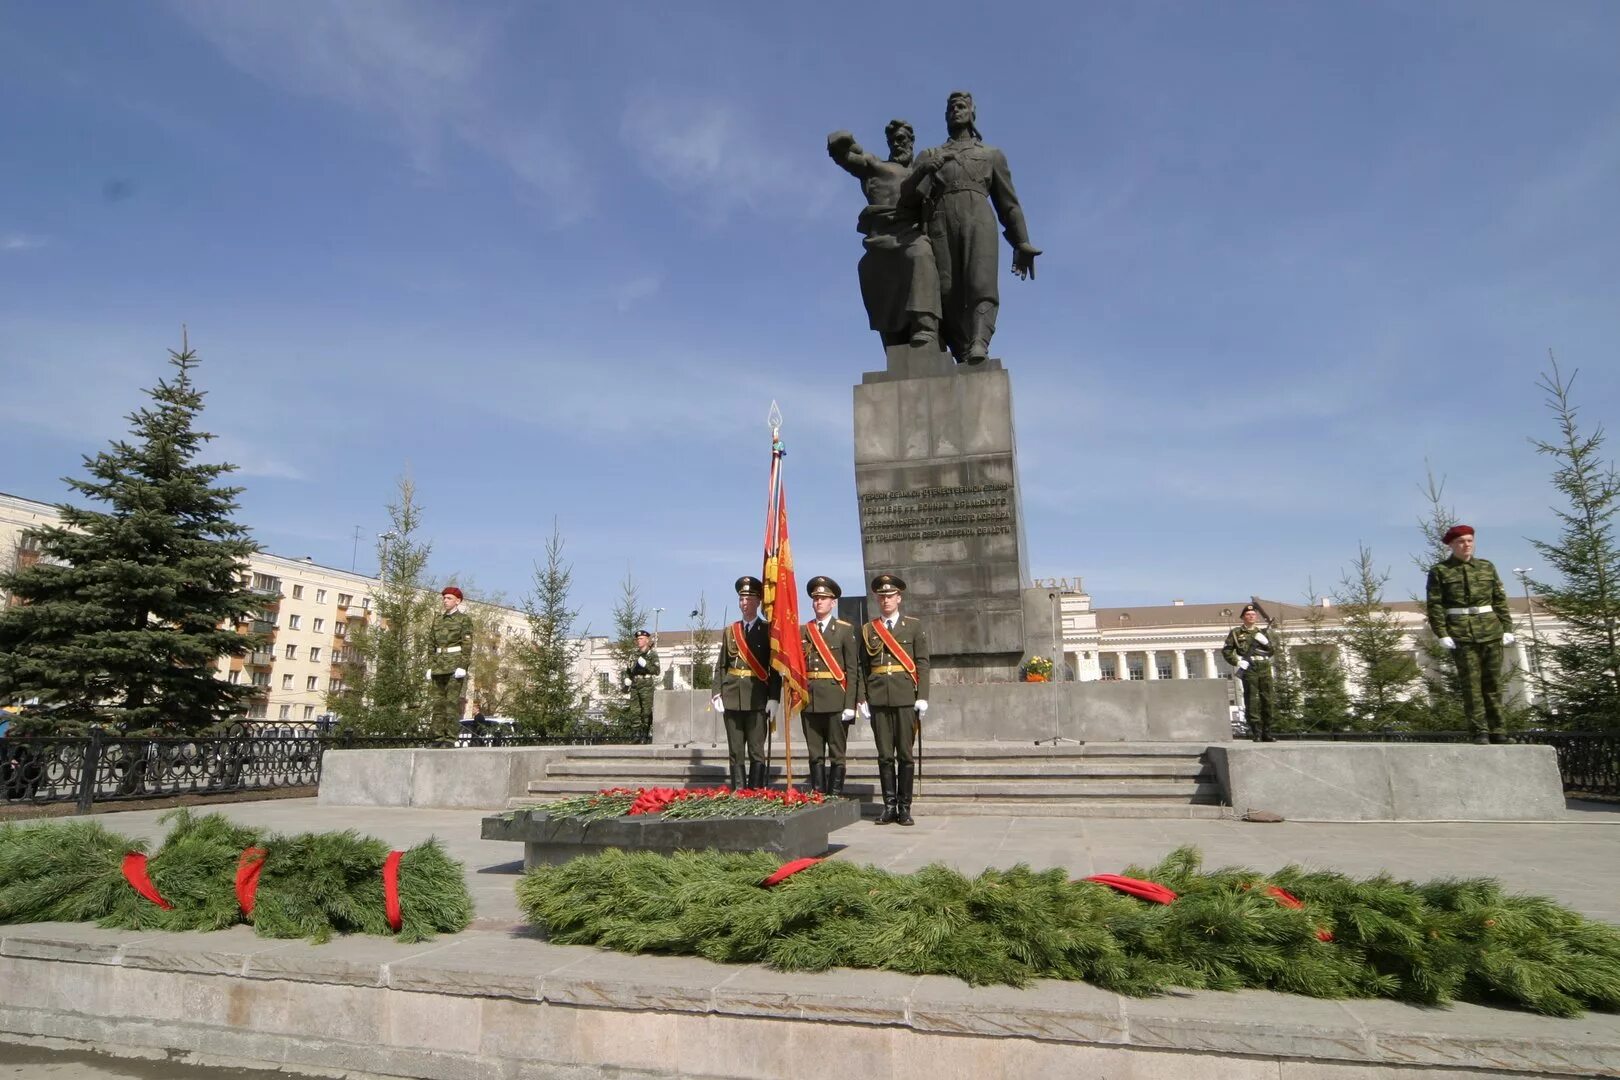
[[451, 639], [641, 677], [833, 665], [1468, 612], [745, 687], [1248, 650], [894, 678]]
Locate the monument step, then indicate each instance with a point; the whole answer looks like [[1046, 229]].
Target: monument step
[[931, 804], [715, 769], [942, 788], [977, 751]]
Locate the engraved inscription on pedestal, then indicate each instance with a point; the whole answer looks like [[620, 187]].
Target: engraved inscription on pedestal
[[937, 513]]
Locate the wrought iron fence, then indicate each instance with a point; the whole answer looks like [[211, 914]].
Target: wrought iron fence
[[1588, 761], [105, 767]]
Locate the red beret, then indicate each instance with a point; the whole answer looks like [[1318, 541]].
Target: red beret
[[1456, 531], [451, 590]]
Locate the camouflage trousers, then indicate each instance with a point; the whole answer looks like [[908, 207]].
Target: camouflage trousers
[[1479, 678]]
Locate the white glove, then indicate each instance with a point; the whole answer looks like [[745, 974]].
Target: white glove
[[627, 682], [1243, 665], [849, 714], [1508, 639], [717, 703], [641, 661], [430, 675], [921, 706], [1262, 639], [771, 709], [1447, 643], [865, 710], [460, 673]]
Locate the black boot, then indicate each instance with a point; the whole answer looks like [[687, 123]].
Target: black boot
[[1481, 739], [756, 774], [818, 777], [738, 777], [835, 781], [1265, 731], [886, 782], [902, 815]]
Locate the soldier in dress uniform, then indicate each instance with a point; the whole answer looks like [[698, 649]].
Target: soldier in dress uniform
[[641, 677], [746, 689], [894, 679], [1468, 612], [1248, 650], [832, 663], [451, 636]]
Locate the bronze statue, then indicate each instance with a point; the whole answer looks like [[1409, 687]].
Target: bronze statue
[[956, 180], [899, 280]]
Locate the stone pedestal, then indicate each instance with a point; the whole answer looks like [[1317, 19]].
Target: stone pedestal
[[936, 475]]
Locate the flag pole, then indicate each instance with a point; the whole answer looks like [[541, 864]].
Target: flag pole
[[776, 552]]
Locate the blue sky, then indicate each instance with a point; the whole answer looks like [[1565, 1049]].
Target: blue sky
[[557, 260]]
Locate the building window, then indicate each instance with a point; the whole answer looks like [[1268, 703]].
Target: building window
[[298, 592], [314, 654], [261, 678], [286, 712], [1165, 671], [320, 596], [1108, 673], [365, 603], [292, 652], [345, 599], [337, 686], [264, 583], [286, 682], [318, 625], [256, 712], [602, 683], [293, 621], [339, 629], [1136, 672], [309, 683], [309, 712]]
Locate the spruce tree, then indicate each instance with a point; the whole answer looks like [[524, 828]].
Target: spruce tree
[[628, 617], [384, 674], [703, 640], [1586, 692], [128, 609], [1322, 702], [1376, 642], [548, 697]]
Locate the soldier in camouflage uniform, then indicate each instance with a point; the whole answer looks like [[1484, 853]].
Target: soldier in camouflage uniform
[[641, 678], [451, 638], [1468, 612], [1248, 650], [832, 663], [746, 688], [896, 694]]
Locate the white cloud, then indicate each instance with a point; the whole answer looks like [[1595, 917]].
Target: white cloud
[[422, 70], [636, 290], [21, 242], [722, 155]]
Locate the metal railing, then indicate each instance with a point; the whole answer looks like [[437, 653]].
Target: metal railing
[[1588, 761], [106, 767]]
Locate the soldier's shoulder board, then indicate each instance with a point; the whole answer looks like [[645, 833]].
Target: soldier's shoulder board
[[841, 622]]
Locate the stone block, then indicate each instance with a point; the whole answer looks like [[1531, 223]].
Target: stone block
[[367, 777], [1327, 781]]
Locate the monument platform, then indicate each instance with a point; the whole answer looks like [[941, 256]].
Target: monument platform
[[498, 1001]]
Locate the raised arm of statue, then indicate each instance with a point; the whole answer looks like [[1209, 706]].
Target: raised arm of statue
[[848, 155]]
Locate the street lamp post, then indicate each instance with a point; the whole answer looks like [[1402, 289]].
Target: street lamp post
[[657, 611], [1535, 641], [383, 539]]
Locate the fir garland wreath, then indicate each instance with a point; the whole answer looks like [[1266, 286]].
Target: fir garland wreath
[[211, 873], [1316, 933]]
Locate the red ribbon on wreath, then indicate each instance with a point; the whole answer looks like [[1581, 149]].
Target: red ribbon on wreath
[[1144, 890], [390, 874], [135, 874], [787, 870], [1289, 900], [247, 877]]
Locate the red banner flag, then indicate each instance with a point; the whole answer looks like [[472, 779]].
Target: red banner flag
[[782, 591]]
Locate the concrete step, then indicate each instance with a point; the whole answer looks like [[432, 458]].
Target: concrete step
[[974, 751], [1098, 808], [671, 772], [1007, 790]]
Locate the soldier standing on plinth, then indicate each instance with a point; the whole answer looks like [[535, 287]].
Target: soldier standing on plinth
[[451, 638], [640, 677], [1248, 650], [1468, 612], [746, 688], [832, 664], [894, 677]]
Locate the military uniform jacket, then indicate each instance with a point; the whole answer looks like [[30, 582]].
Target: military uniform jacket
[[451, 638], [894, 688], [1466, 601], [743, 692], [646, 670], [1251, 643], [826, 696]]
